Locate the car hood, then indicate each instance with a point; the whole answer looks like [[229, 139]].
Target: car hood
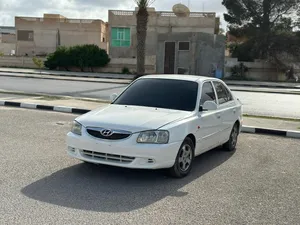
[[130, 118]]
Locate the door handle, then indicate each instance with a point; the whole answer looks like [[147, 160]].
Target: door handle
[[234, 111], [218, 116]]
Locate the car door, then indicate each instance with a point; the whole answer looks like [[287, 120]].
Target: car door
[[227, 110], [208, 121]]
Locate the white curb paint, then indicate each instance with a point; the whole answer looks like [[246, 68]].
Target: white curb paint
[[248, 129], [62, 109], [28, 105], [293, 134]]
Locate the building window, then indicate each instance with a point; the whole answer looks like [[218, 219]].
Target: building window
[[120, 37], [184, 46], [25, 35]]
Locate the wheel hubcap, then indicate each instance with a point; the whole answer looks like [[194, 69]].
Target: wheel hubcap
[[185, 157], [234, 136]]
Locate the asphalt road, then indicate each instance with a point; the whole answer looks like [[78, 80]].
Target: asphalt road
[[269, 104], [40, 184]]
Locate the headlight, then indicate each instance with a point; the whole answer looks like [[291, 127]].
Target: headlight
[[153, 137], [76, 128]]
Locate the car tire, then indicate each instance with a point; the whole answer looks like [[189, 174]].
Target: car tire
[[88, 163], [230, 145], [184, 159]]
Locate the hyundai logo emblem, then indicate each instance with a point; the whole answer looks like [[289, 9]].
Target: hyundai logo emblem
[[106, 133]]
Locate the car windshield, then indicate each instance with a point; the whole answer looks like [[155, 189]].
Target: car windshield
[[161, 93]]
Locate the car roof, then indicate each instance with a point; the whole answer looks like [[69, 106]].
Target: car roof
[[195, 78]]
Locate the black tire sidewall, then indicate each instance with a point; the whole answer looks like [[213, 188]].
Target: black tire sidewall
[[175, 170], [228, 146]]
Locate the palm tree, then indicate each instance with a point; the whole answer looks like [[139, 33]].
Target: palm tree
[[141, 28]]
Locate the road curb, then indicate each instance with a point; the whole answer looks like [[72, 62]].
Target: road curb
[[68, 75], [277, 132], [268, 92], [261, 85], [68, 78], [64, 109]]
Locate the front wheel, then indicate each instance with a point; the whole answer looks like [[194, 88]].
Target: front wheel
[[231, 144], [184, 159]]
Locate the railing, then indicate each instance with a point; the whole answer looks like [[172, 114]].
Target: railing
[[122, 13], [62, 20], [165, 13]]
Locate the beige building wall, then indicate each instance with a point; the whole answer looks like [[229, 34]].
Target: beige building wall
[[38, 36], [7, 48], [158, 23], [7, 43], [8, 38]]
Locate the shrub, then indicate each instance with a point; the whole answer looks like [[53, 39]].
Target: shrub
[[125, 70], [239, 71], [38, 62], [81, 56], [1, 54], [244, 51], [60, 58]]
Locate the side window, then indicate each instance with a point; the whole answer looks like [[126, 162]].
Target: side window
[[230, 98], [208, 93], [223, 94]]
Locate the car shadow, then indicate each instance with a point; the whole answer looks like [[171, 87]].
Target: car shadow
[[112, 189]]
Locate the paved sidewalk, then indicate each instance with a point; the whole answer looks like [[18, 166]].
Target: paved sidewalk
[[89, 104]]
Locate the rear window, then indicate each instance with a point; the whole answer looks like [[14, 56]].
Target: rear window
[[161, 93]]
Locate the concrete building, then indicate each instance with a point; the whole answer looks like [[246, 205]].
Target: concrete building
[[39, 36], [7, 40], [122, 29], [195, 53]]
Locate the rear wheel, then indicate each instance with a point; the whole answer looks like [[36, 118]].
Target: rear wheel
[[231, 144], [184, 160]]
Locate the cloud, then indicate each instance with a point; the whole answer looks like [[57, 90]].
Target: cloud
[[90, 9]]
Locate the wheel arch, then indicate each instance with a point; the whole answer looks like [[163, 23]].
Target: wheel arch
[[238, 123], [193, 138]]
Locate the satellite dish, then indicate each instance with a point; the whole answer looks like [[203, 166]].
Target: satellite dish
[[181, 10]]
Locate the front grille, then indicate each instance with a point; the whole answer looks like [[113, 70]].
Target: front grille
[[107, 157], [115, 136]]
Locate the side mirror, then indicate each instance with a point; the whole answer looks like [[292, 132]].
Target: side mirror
[[209, 106], [113, 97]]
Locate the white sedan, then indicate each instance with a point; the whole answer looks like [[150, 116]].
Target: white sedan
[[159, 121]]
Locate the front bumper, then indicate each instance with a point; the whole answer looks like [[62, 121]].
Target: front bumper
[[123, 153]]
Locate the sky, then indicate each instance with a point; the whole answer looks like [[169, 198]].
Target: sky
[[92, 9]]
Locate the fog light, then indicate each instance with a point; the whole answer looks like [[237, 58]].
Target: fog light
[[71, 149], [150, 160]]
